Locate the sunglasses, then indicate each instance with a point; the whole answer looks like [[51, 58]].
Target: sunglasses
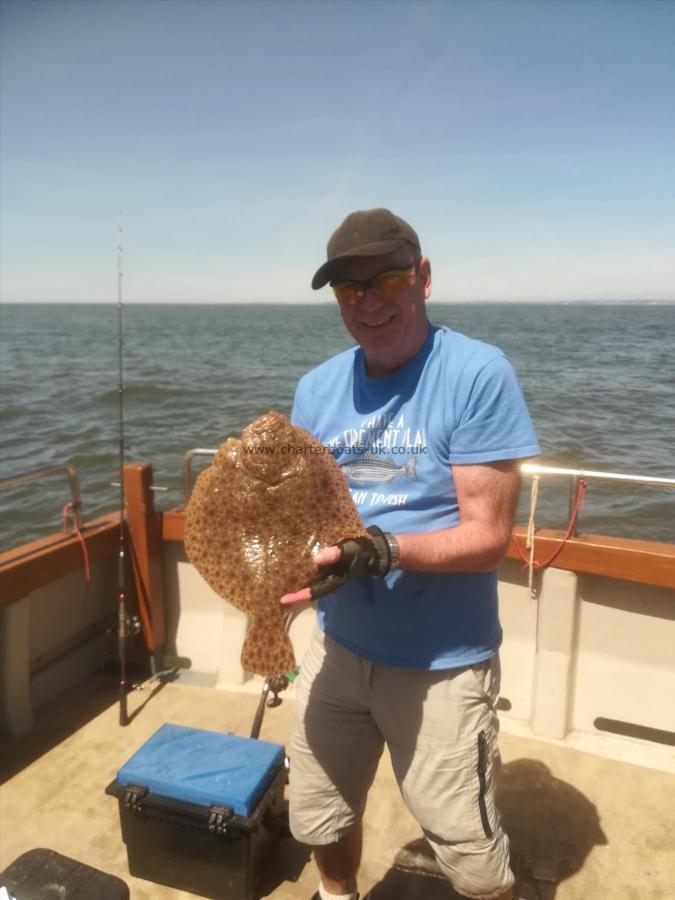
[[385, 285]]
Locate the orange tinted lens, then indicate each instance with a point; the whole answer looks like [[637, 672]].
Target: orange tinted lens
[[389, 283], [348, 292]]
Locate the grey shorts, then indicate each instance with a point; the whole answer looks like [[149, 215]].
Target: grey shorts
[[441, 731]]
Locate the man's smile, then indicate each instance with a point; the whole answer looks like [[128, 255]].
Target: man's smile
[[380, 322]]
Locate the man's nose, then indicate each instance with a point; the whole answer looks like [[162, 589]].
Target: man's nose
[[371, 300]]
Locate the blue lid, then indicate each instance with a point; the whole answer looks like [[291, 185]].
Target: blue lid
[[204, 767]]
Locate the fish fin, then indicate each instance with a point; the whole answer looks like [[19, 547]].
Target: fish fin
[[267, 649], [409, 468]]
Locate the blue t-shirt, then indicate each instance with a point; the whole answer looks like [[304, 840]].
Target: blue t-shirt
[[396, 438]]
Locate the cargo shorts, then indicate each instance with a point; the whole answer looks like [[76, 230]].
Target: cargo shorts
[[441, 731]]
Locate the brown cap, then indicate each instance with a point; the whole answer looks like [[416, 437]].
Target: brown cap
[[367, 232]]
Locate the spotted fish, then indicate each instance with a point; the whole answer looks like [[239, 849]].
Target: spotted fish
[[253, 521], [371, 469]]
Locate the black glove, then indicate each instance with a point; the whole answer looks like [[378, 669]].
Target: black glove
[[360, 556]]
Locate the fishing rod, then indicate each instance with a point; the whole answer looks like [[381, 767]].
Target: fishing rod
[[122, 623]]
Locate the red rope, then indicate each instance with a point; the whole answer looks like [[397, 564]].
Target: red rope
[[66, 509], [578, 504]]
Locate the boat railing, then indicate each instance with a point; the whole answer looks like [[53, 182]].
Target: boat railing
[[187, 467], [75, 505], [576, 475], [528, 469]]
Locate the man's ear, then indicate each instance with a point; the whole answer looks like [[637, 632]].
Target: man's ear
[[425, 275]]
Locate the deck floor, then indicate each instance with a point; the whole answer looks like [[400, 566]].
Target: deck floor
[[581, 826]]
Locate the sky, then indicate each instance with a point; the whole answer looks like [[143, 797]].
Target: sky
[[530, 144]]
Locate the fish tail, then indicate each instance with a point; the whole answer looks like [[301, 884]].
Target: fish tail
[[267, 649], [409, 469]]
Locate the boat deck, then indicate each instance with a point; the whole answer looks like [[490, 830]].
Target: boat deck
[[581, 826]]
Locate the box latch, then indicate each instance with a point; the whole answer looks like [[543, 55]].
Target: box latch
[[219, 816], [134, 796]]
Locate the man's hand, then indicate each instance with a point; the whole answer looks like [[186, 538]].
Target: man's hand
[[351, 558]]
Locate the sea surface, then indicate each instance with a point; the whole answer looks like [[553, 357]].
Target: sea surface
[[599, 380]]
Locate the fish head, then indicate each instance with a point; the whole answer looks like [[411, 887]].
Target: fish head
[[271, 450]]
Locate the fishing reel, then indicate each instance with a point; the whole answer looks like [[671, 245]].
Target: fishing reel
[[134, 624], [276, 685]]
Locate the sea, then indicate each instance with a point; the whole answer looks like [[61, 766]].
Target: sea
[[598, 378]]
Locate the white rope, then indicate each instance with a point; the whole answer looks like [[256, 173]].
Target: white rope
[[529, 543]]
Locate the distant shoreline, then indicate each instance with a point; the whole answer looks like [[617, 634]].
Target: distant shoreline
[[329, 302]]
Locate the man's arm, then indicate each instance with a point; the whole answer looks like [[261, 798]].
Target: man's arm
[[487, 495]]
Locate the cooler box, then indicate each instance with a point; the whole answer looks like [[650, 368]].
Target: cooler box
[[191, 804]]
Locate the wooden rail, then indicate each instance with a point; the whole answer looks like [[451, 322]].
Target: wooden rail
[[41, 562], [646, 562], [613, 557]]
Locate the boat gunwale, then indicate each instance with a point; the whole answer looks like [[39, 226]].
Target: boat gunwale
[[38, 563], [627, 559]]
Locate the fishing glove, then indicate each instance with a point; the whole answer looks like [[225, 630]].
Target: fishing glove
[[360, 556]]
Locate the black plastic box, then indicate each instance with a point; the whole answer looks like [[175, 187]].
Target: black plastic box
[[203, 848]]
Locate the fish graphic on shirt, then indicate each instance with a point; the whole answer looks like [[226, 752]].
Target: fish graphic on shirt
[[371, 469]]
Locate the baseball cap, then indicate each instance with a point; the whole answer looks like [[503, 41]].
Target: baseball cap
[[366, 232]]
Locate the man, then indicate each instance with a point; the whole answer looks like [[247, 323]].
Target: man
[[427, 425]]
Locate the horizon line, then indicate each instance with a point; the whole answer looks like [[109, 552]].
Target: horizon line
[[330, 302]]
